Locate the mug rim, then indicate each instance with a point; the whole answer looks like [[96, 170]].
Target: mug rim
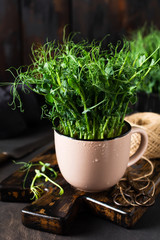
[[99, 140]]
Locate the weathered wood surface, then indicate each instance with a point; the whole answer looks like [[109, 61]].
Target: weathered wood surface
[[42, 21], [23, 22], [10, 45], [55, 214], [147, 103], [97, 18]]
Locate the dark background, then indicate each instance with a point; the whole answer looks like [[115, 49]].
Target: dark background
[[23, 22]]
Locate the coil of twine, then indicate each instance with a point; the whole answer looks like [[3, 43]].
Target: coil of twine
[[150, 122]]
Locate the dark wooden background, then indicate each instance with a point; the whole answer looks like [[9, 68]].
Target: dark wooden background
[[23, 22]]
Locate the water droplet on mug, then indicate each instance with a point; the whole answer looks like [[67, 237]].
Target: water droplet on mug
[[95, 160]]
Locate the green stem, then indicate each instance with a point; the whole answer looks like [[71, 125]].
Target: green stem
[[104, 127], [121, 69], [74, 108], [111, 108], [111, 132], [150, 56], [122, 119], [94, 118], [24, 180], [134, 75], [82, 95], [85, 115], [70, 129], [33, 182], [54, 183], [63, 124], [149, 69]]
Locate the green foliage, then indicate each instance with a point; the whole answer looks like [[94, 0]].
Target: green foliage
[[38, 189], [145, 42], [87, 89]]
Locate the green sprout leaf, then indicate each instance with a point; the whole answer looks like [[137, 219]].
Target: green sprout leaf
[[38, 173], [38, 190], [49, 98], [87, 89], [146, 42]]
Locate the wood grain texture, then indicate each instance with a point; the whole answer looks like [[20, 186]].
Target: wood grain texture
[[26, 21], [42, 21], [55, 214], [10, 46], [95, 19], [147, 103]]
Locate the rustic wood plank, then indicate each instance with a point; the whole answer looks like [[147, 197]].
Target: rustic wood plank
[[42, 21], [10, 46], [99, 18], [140, 13], [24, 22], [114, 17], [55, 214]]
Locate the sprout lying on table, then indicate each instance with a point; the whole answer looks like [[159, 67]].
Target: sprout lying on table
[[38, 189]]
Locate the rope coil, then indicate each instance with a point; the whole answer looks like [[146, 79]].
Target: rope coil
[[131, 192], [150, 122]]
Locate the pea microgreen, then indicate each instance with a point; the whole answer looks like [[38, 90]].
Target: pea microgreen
[[144, 42], [38, 189], [87, 89]]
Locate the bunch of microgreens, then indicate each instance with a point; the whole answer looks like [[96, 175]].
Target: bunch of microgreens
[[87, 89], [144, 42], [38, 189]]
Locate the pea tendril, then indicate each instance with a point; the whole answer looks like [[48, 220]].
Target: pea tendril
[[87, 89], [38, 189]]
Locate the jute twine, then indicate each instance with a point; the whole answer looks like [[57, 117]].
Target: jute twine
[[139, 190], [136, 190], [150, 122]]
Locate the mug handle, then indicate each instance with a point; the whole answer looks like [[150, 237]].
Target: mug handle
[[142, 147]]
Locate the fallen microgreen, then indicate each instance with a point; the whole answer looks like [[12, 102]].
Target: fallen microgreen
[[38, 189]]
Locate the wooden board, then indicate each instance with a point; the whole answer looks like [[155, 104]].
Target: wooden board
[[24, 22], [10, 45], [54, 213], [115, 17], [42, 21]]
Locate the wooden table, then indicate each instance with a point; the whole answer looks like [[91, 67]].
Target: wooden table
[[86, 226]]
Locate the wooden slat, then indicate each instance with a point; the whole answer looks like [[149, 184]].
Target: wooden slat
[[55, 213], [42, 21], [97, 18], [9, 37]]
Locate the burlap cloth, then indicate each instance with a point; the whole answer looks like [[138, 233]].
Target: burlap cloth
[[150, 122]]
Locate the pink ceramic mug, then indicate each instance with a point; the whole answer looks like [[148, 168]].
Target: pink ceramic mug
[[95, 166]]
